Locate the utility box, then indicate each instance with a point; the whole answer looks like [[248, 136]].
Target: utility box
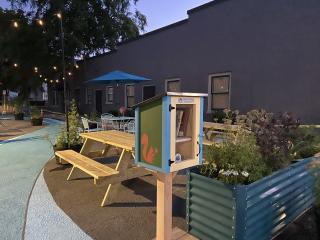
[[169, 131]]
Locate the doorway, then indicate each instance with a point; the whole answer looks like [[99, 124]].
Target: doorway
[[99, 102]]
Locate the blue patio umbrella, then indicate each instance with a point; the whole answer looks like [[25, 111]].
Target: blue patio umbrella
[[117, 77]]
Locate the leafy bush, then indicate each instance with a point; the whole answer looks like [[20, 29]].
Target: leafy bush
[[274, 134], [238, 161], [74, 125], [69, 139], [225, 116], [35, 113], [18, 105], [306, 142]]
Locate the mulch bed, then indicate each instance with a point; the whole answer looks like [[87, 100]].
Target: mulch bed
[[132, 216]]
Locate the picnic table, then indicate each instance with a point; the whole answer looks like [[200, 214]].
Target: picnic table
[[98, 144]]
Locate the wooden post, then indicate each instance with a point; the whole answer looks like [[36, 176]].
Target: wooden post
[[164, 206]]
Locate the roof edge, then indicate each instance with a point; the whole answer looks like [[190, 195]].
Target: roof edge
[[206, 5]]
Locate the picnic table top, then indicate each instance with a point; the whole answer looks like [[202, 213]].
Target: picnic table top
[[112, 137]]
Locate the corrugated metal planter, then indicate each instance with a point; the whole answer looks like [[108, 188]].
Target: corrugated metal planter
[[257, 211]]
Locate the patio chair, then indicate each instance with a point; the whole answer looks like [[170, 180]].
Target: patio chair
[[91, 126], [129, 127], [106, 122]]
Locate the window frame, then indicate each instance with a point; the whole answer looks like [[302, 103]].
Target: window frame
[[150, 85], [125, 94], [172, 80], [210, 93], [87, 99], [107, 93]]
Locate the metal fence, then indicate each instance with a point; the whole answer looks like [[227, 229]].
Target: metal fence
[[256, 211]]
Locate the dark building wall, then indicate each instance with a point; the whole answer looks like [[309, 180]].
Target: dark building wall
[[271, 48]]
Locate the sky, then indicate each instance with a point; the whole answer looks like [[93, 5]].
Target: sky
[[159, 13]]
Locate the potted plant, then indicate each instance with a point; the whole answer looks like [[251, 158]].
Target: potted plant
[[248, 187], [70, 140], [36, 116], [18, 111]]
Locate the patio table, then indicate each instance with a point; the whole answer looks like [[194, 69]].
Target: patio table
[[101, 142], [117, 119]]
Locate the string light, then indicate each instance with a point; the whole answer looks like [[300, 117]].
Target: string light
[[69, 73], [15, 65], [40, 76], [57, 81], [59, 15], [51, 81], [45, 79], [15, 24], [40, 22], [77, 66], [35, 69], [54, 68]]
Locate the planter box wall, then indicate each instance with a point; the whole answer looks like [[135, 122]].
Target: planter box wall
[[260, 210]]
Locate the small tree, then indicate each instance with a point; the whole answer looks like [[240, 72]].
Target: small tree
[[71, 138], [73, 119]]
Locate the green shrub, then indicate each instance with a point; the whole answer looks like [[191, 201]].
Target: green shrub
[[74, 124], [225, 116], [274, 134], [234, 162], [306, 142], [18, 105], [35, 113], [68, 139]]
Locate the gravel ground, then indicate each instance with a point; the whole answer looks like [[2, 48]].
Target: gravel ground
[[44, 212]]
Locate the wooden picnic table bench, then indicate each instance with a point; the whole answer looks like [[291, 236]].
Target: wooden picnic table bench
[[218, 129], [89, 166], [98, 144]]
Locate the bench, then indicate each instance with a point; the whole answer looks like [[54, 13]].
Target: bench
[[87, 165], [216, 132]]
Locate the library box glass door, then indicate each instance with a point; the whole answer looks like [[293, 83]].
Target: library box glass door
[[185, 132]]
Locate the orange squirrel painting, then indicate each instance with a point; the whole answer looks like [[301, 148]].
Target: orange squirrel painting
[[148, 154]]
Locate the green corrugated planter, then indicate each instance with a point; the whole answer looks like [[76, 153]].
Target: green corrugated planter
[[260, 210]]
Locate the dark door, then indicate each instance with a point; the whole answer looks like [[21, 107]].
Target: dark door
[[99, 101], [148, 92]]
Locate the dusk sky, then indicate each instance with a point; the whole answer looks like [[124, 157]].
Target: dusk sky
[[159, 13]]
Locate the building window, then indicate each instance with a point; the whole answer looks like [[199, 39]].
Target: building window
[[173, 85], [130, 100], [148, 92], [89, 93], [219, 86], [109, 95]]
